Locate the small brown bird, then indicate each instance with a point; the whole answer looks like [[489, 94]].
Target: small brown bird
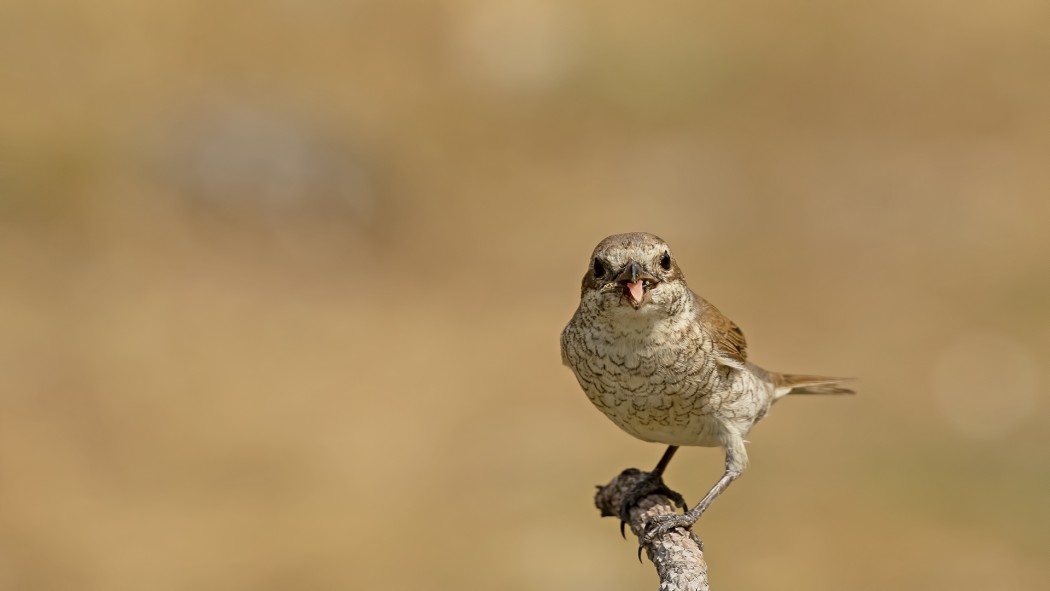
[[667, 367]]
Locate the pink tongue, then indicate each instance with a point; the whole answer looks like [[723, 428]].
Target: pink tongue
[[636, 291]]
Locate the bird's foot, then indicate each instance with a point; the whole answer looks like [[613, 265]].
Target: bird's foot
[[650, 484], [661, 524]]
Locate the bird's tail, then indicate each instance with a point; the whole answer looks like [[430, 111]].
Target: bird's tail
[[786, 383]]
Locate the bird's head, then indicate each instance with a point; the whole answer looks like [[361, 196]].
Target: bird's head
[[634, 271]]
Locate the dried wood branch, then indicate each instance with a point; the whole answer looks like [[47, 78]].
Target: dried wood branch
[[678, 555]]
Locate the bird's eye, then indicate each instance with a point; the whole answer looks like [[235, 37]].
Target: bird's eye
[[599, 268], [665, 261]]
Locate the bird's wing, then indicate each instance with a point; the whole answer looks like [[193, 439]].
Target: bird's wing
[[729, 343]]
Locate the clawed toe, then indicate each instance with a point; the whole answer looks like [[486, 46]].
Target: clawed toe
[[652, 483], [661, 524]]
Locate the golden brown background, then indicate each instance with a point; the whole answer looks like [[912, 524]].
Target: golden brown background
[[281, 285]]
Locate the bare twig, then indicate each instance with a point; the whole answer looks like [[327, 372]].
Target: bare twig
[[678, 555]]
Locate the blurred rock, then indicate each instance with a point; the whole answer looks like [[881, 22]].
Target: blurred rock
[[245, 158]]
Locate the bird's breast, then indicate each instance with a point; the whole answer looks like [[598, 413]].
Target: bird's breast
[[659, 383]]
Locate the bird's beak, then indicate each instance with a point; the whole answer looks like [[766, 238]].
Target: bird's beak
[[636, 282]]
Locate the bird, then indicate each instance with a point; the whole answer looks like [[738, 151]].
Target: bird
[[668, 367]]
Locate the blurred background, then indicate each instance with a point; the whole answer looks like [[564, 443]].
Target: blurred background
[[281, 286]]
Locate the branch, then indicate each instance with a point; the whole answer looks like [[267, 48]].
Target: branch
[[678, 555]]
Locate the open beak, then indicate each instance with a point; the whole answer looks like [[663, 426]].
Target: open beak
[[636, 283]]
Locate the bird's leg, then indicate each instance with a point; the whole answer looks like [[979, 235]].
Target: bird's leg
[[736, 461], [653, 483]]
